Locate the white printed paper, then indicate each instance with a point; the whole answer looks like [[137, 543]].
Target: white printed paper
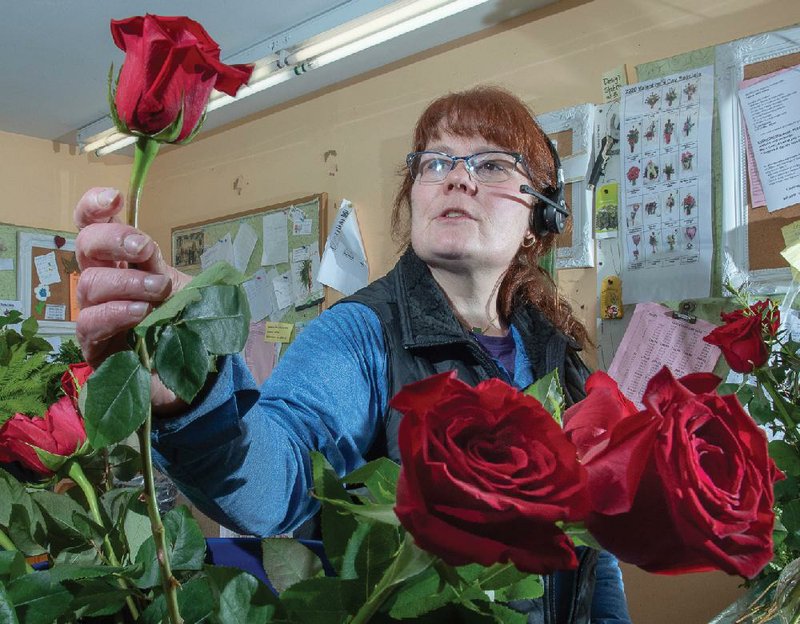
[[305, 286], [276, 239], [6, 264], [55, 312], [344, 262], [283, 290], [771, 110], [221, 251], [47, 269], [260, 295], [655, 339], [243, 246], [665, 190]]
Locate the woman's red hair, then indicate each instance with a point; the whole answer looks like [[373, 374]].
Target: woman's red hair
[[501, 118]]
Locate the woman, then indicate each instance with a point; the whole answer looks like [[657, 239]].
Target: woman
[[467, 294]]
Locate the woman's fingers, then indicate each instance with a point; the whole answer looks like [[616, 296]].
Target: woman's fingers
[[98, 285], [98, 205], [100, 329]]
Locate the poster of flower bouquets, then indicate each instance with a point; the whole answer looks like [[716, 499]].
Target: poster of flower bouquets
[[665, 192]]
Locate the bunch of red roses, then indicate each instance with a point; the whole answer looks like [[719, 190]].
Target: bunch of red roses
[[683, 485]]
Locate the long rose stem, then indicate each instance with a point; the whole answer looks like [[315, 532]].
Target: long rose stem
[[169, 583], [76, 473], [143, 156]]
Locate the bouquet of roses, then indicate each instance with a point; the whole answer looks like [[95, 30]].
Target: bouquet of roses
[[754, 343]]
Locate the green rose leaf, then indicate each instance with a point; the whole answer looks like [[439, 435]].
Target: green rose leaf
[[195, 601], [785, 456], [325, 600], [181, 361], [336, 527], [12, 565], [117, 399], [218, 273], [38, 599], [528, 588], [68, 524], [761, 410], [548, 392], [124, 461], [97, 597], [241, 597], [380, 478], [221, 318], [7, 613], [287, 561], [372, 550]]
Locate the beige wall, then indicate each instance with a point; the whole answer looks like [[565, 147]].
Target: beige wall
[[42, 180], [552, 58]]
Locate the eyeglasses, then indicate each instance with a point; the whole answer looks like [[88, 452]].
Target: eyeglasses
[[493, 167]]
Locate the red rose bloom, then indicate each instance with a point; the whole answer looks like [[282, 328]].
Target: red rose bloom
[[486, 472], [59, 432], [698, 494], [741, 342], [770, 316], [73, 379], [171, 64]]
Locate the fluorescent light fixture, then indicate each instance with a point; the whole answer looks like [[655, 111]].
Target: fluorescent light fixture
[[392, 21]]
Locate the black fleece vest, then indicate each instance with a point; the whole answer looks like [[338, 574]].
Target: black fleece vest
[[423, 338]]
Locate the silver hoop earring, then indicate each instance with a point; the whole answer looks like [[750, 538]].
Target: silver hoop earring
[[528, 241]]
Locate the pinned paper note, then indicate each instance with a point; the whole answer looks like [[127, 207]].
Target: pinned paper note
[[344, 262], [243, 245], [283, 290], [55, 312], [276, 239], [47, 269], [260, 295], [278, 332], [221, 251]]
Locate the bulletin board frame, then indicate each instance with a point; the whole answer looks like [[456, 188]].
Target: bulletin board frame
[[27, 244], [743, 228], [571, 130]]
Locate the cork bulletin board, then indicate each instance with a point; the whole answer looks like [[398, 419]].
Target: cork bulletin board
[[752, 236]]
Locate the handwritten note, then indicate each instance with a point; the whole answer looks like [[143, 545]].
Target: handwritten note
[[655, 339], [278, 332], [243, 246], [276, 239], [47, 269]]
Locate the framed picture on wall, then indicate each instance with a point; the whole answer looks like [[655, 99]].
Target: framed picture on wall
[[47, 277], [570, 129]]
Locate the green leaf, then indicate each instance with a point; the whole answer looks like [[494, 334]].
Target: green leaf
[[97, 597], [241, 597], [790, 517], [118, 123], [287, 561], [370, 511], [324, 600], [29, 328], [186, 547], [372, 553], [166, 313], [195, 602], [12, 565], [221, 318], [68, 524], [548, 392], [181, 361], [25, 528], [117, 399], [124, 461], [7, 613], [380, 477], [72, 572], [50, 460], [528, 588], [337, 527], [38, 599], [133, 523], [760, 410], [786, 457]]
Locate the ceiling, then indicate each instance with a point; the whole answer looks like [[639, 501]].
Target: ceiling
[[56, 53]]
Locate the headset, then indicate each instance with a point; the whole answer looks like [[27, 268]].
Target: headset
[[549, 215]]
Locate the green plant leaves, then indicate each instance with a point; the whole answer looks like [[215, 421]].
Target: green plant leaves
[[548, 392], [181, 361], [287, 562], [221, 318], [116, 399]]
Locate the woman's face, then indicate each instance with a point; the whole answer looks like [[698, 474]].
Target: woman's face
[[461, 224]]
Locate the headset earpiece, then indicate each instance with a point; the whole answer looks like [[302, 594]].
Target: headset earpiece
[[549, 214]]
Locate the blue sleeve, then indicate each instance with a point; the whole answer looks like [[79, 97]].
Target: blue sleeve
[[242, 454], [609, 605]]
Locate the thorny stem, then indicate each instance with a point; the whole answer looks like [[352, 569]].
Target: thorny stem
[[168, 581], [76, 473]]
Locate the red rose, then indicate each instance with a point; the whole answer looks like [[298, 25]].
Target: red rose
[[486, 472], [769, 314], [704, 497], [73, 379], [741, 342], [171, 64], [59, 432]]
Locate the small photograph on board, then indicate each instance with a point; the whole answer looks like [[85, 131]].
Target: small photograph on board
[[188, 250]]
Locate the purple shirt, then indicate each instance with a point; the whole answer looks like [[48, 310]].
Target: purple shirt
[[501, 348]]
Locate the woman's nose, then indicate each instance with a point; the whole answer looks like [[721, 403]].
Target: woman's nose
[[460, 177]]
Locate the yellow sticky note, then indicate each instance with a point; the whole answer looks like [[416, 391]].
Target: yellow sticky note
[[792, 255], [791, 233], [278, 332]]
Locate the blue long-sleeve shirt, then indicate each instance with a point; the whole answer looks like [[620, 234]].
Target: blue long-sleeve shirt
[[242, 454]]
